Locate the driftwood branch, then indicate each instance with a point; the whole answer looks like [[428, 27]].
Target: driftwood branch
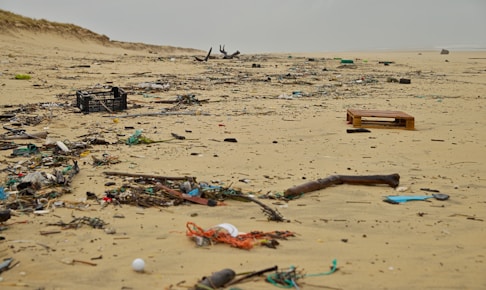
[[226, 55], [158, 177], [24, 135], [392, 180], [206, 58], [272, 214]]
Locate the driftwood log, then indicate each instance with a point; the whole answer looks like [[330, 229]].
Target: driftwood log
[[226, 55], [207, 56], [392, 180]]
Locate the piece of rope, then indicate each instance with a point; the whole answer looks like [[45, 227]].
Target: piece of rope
[[242, 241], [287, 279]]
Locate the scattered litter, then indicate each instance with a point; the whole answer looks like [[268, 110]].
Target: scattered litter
[[285, 278], [76, 223], [245, 241]]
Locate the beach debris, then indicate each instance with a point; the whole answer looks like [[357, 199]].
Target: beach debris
[[217, 280], [405, 81], [76, 223], [188, 197], [231, 140], [392, 180], [178, 137], [226, 55], [106, 159], [396, 199], [380, 119], [29, 149], [99, 101], [205, 58], [272, 214], [251, 275], [358, 130], [5, 264], [228, 228], [22, 77], [149, 176], [21, 134], [444, 51], [139, 138], [138, 265], [5, 215], [242, 241], [287, 278], [348, 66], [70, 261], [469, 217], [157, 86]]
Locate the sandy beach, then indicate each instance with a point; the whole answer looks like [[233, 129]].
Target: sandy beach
[[287, 113]]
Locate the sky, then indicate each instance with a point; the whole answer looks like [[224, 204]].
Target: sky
[[262, 26]]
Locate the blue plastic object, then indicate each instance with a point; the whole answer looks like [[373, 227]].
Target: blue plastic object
[[405, 198], [3, 196]]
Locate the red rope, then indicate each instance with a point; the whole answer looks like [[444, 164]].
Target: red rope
[[242, 241]]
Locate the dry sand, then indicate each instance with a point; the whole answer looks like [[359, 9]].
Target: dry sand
[[281, 142]]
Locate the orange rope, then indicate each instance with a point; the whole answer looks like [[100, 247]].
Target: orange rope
[[242, 241]]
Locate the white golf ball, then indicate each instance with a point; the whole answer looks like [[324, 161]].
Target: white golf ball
[[138, 265]]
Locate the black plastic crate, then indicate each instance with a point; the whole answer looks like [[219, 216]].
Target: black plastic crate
[[114, 100]]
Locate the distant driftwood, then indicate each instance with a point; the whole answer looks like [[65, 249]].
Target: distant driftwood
[[228, 56], [207, 56], [221, 49]]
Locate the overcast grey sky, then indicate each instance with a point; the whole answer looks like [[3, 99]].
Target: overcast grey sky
[[257, 26]]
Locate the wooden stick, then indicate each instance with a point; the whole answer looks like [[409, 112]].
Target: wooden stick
[[84, 262], [44, 233], [195, 199], [37, 135], [251, 275], [149, 176], [391, 180]]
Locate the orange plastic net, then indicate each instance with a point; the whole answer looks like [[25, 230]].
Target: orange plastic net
[[243, 241]]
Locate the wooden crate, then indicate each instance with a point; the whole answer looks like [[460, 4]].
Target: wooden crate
[[380, 119]]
